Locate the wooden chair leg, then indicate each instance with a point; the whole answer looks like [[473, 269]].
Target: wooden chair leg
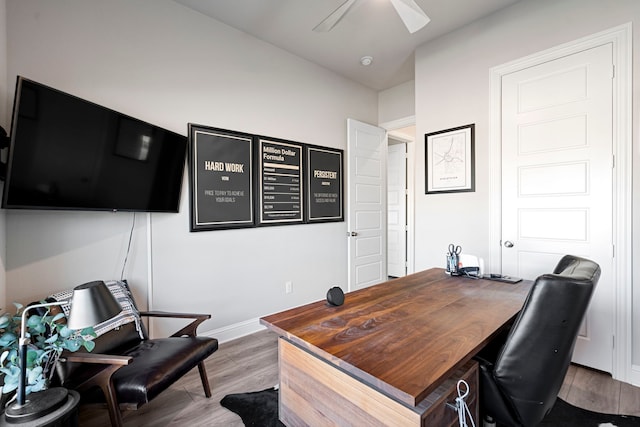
[[112, 404], [205, 379]]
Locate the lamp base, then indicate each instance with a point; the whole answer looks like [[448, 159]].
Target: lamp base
[[37, 405]]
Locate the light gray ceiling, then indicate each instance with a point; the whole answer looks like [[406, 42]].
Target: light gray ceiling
[[372, 27]]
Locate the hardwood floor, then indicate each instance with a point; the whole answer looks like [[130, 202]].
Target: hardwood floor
[[246, 364], [251, 364], [598, 392]]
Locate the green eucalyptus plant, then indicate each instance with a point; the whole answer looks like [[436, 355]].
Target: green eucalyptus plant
[[49, 338]]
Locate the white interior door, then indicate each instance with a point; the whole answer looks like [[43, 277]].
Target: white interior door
[[367, 204], [557, 180], [397, 209]]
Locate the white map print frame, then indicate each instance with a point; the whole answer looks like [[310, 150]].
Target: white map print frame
[[450, 160]]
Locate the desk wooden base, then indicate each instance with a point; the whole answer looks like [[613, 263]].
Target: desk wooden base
[[316, 393]]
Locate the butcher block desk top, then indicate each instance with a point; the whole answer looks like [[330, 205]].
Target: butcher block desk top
[[405, 336]]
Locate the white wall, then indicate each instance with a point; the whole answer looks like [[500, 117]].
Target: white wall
[[4, 122], [161, 62], [4, 87], [397, 103], [452, 89]]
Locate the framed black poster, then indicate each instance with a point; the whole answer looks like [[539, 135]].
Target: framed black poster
[[324, 183], [221, 178], [280, 185]]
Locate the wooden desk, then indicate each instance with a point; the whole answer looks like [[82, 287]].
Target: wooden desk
[[402, 339]]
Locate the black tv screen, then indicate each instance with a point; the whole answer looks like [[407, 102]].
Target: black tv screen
[[68, 153]]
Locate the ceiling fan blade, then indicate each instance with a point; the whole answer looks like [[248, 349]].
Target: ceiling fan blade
[[335, 17], [413, 17]]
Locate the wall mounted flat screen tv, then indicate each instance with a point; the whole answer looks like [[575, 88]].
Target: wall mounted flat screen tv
[[72, 154]]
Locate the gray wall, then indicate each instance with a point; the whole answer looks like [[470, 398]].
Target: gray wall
[[161, 62]]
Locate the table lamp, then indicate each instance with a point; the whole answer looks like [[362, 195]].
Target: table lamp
[[91, 303]]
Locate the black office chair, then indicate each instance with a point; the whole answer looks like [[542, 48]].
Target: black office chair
[[521, 376]]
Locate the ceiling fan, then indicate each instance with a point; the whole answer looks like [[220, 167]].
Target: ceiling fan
[[413, 17]]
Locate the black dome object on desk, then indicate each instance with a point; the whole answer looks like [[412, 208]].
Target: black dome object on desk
[[335, 296]]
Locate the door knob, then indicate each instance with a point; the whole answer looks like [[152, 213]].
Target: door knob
[[508, 244], [353, 234]]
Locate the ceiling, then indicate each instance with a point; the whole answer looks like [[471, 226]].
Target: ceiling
[[370, 28]]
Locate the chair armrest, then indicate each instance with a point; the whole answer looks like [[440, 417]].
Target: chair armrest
[[106, 359], [101, 378], [483, 361], [156, 313], [189, 330]]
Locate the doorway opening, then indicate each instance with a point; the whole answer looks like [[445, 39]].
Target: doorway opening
[[367, 200], [400, 172]]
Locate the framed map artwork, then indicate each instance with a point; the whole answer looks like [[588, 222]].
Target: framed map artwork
[[450, 160]]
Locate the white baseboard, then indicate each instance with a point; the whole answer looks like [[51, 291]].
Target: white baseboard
[[635, 375], [237, 330]]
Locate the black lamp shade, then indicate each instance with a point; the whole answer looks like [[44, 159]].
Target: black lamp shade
[[92, 303]]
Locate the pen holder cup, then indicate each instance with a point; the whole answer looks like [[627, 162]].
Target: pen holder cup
[[452, 264]]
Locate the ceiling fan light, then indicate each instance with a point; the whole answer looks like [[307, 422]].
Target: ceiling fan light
[[413, 17]]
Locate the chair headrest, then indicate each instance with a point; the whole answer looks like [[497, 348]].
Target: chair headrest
[[578, 268]]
